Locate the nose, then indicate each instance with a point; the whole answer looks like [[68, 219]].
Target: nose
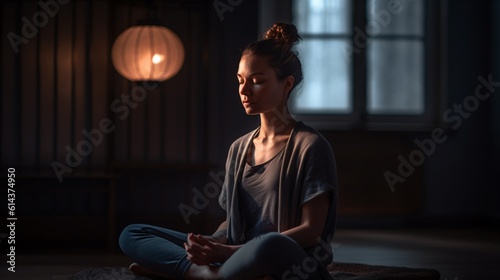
[[245, 88]]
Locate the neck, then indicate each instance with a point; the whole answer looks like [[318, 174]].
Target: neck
[[276, 123]]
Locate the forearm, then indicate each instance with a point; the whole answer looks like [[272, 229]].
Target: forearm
[[220, 235], [314, 214], [304, 235]]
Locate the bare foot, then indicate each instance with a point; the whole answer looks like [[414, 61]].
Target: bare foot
[[138, 270], [204, 272]]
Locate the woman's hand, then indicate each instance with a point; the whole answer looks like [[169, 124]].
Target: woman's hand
[[203, 250]]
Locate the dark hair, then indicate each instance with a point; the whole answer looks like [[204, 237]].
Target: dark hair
[[277, 45]]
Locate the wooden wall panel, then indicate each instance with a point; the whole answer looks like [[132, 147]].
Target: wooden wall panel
[[120, 111], [29, 94], [173, 121], [176, 92], [47, 50], [100, 59], [137, 127], [63, 84], [138, 115], [180, 90], [80, 74], [10, 96], [153, 125], [197, 92]]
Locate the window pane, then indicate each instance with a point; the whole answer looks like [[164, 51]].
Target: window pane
[[395, 17], [326, 87], [395, 77], [322, 16]]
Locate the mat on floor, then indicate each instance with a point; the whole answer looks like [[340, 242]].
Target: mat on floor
[[355, 271], [338, 271]]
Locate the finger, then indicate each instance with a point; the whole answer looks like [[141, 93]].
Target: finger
[[195, 256], [191, 238], [188, 251], [200, 249], [197, 251], [196, 259], [206, 242]]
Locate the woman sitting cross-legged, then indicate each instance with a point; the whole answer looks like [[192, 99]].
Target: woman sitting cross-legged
[[279, 191]]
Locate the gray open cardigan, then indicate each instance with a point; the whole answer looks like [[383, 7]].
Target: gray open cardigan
[[308, 169]]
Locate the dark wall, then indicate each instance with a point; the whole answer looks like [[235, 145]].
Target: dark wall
[[62, 81], [462, 179], [158, 156]]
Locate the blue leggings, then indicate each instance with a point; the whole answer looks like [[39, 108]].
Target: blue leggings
[[272, 254]]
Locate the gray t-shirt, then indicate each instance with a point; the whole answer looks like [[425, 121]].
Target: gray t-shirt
[[307, 170], [259, 196]]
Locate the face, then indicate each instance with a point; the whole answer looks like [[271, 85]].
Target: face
[[260, 90]]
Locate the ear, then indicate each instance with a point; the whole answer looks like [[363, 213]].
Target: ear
[[288, 84]]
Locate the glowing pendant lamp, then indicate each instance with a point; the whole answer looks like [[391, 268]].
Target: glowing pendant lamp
[[147, 53]]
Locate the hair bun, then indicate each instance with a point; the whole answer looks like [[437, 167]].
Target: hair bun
[[283, 32]]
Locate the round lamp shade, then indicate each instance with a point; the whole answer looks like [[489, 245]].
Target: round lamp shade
[[147, 53]]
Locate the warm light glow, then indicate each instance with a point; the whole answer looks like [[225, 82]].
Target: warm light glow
[[157, 58], [148, 53]]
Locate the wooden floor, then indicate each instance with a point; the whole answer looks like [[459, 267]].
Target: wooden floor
[[456, 254]]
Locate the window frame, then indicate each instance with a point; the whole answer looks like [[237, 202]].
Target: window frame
[[434, 78]]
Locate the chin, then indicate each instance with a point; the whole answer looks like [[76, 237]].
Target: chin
[[251, 112]]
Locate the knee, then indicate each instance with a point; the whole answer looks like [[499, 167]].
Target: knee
[[273, 244], [275, 239], [128, 235]]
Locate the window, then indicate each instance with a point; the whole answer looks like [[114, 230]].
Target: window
[[325, 27], [395, 57], [365, 63], [328, 85]]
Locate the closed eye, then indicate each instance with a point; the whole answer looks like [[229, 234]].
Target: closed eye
[[255, 82]]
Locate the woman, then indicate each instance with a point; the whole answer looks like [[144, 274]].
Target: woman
[[279, 192]]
